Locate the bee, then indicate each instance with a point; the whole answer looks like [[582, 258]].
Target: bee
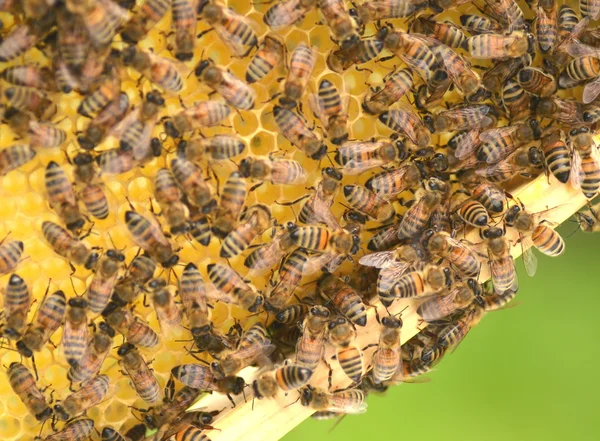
[[45, 135], [438, 308], [458, 69], [290, 274], [92, 393], [478, 24], [230, 283], [31, 100], [492, 197], [151, 239], [342, 335], [254, 222], [254, 346], [418, 283], [461, 118], [66, 246], [386, 359], [413, 51], [344, 298], [216, 148], [104, 280], [317, 207], [140, 271], [110, 434], [149, 13], [286, 378], [187, 432], [269, 56], [234, 30], [310, 347], [342, 25], [141, 376], [77, 430], [397, 84], [115, 161], [287, 12], [369, 203], [453, 334], [537, 82], [292, 314], [24, 36], [202, 114], [590, 8], [184, 21], [276, 171], [358, 156], [101, 19], [502, 265], [524, 161], [10, 255], [404, 120], [431, 94], [136, 330], [62, 197], [17, 301], [447, 33], [168, 196], [268, 255], [23, 384], [75, 333], [534, 232], [174, 406], [506, 11], [364, 51], [189, 177], [547, 25], [516, 101], [495, 78], [375, 10], [323, 239], [90, 362], [589, 221], [29, 75], [235, 92], [302, 63], [299, 135], [192, 291], [347, 401], [92, 194], [328, 107], [107, 91], [470, 211], [500, 142], [490, 46], [417, 216], [168, 313], [200, 229], [461, 257], [556, 156], [585, 169]]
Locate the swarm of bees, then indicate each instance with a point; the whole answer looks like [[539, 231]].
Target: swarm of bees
[[194, 187]]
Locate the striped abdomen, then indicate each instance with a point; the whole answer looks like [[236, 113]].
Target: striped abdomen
[[140, 333], [309, 350], [548, 241], [463, 261], [409, 285], [474, 213], [292, 377], [558, 159], [385, 363], [313, 238], [351, 362], [95, 201], [351, 305], [591, 179]]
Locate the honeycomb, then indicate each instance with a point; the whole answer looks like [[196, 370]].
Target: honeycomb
[[24, 204]]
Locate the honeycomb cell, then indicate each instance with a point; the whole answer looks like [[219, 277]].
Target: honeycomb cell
[[9, 427]]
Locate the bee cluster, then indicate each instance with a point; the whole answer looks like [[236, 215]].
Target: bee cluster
[[122, 120]]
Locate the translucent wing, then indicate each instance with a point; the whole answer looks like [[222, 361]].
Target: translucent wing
[[577, 174], [284, 14], [234, 42], [394, 272], [467, 144], [315, 105], [493, 134], [529, 259], [381, 259], [591, 90]]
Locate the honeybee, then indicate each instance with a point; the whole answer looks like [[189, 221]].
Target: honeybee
[[192, 290], [253, 222], [537, 82], [184, 20], [546, 25], [174, 406], [362, 52], [267, 255], [344, 298], [290, 274], [589, 221], [77, 430], [590, 8], [292, 314], [216, 148], [299, 135], [342, 25], [516, 102], [92, 194], [341, 334], [470, 211], [585, 169], [453, 334], [556, 155], [534, 232], [431, 279], [110, 434], [106, 92], [45, 135], [168, 313], [202, 114], [502, 265], [10, 255], [31, 100], [254, 346], [404, 120], [200, 229], [235, 92], [90, 394], [347, 401], [446, 32], [397, 84], [29, 75], [462, 118], [136, 330], [391, 183], [102, 19], [302, 63], [430, 95], [325, 240], [286, 378], [310, 347], [369, 203], [14, 157], [358, 156], [490, 46], [317, 207], [276, 171], [75, 333], [428, 199], [494, 78], [567, 20], [101, 125], [386, 359], [62, 197], [23, 384], [151, 239], [16, 304], [24, 36], [144, 19], [458, 69], [266, 58], [461, 257], [234, 30], [498, 143], [375, 10], [230, 283], [189, 177], [93, 356], [68, 247], [478, 24], [287, 12], [437, 308], [328, 108], [140, 271], [492, 197], [524, 161], [230, 205], [115, 161], [141, 376], [200, 377], [168, 196], [506, 11]]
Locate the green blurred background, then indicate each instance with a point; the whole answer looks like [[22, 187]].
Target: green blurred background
[[525, 373]]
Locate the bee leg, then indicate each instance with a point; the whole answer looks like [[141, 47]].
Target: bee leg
[[231, 399], [371, 345], [254, 187], [201, 34]]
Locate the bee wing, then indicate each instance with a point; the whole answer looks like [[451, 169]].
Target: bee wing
[[284, 14], [340, 403], [467, 144], [118, 130], [529, 259], [380, 259], [315, 105], [493, 134], [468, 117], [354, 166], [577, 50], [233, 42], [394, 272], [498, 271], [413, 121], [141, 149], [591, 90], [577, 174]]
